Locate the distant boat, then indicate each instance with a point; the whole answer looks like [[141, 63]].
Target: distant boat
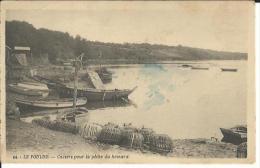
[[29, 89], [229, 69], [29, 105], [199, 68], [235, 135], [186, 66]]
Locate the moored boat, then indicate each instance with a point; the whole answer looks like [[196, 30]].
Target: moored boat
[[30, 105], [95, 94], [29, 89], [235, 135], [229, 69], [185, 66], [199, 68]]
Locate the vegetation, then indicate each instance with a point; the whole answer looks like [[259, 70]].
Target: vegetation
[[55, 46]]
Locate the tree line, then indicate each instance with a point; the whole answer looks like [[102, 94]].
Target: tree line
[[56, 45]]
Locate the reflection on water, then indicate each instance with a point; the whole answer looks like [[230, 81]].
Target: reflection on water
[[181, 102]]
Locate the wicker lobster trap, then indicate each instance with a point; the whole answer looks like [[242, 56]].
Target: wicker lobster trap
[[131, 138], [90, 130], [147, 134], [57, 125], [110, 134], [161, 143]]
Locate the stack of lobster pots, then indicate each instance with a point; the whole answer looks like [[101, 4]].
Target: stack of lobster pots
[[127, 136]]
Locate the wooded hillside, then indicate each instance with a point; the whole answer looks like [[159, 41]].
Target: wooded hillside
[[58, 45]]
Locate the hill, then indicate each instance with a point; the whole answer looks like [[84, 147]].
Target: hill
[[56, 45]]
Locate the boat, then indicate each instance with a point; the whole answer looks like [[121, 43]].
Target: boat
[[235, 135], [199, 68], [34, 105], [93, 94], [51, 84], [186, 66], [104, 74], [34, 85], [229, 69], [28, 89]]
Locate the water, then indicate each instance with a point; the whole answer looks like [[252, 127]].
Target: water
[[180, 102]]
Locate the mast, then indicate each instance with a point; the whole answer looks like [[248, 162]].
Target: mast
[[77, 64], [100, 55]]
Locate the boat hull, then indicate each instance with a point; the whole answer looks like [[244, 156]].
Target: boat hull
[[232, 137], [228, 70], [28, 106], [96, 94], [28, 92]]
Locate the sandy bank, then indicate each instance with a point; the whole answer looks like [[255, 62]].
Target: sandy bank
[[26, 137]]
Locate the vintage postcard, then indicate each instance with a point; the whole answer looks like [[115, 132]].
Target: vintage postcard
[[127, 82]]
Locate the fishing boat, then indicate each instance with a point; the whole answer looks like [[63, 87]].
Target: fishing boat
[[235, 135], [93, 94], [229, 69], [31, 105], [29, 89]]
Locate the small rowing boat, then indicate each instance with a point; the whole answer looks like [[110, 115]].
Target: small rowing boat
[[29, 89], [29, 105]]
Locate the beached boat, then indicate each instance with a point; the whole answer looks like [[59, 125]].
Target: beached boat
[[229, 69], [29, 105], [199, 68], [29, 89], [235, 135], [95, 94]]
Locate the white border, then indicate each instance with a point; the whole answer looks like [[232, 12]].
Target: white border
[[255, 165]]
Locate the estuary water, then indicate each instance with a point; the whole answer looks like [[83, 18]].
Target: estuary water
[[181, 102], [175, 100]]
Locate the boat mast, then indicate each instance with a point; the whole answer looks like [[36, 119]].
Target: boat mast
[[100, 55], [77, 65]]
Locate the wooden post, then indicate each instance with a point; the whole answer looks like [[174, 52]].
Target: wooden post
[[75, 85]]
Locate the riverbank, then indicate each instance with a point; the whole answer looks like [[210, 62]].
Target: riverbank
[[28, 138]]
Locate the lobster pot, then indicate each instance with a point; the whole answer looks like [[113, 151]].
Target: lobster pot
[[110, 134], [90, 130], [161, 143], [57, 125], [147, 134], [132, 139], [242, 150]]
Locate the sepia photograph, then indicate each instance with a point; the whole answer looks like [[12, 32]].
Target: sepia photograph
[[127, 82]]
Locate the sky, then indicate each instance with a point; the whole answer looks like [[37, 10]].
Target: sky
[[212, 25]]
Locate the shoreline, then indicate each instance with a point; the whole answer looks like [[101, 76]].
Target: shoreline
[[28, 138]]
